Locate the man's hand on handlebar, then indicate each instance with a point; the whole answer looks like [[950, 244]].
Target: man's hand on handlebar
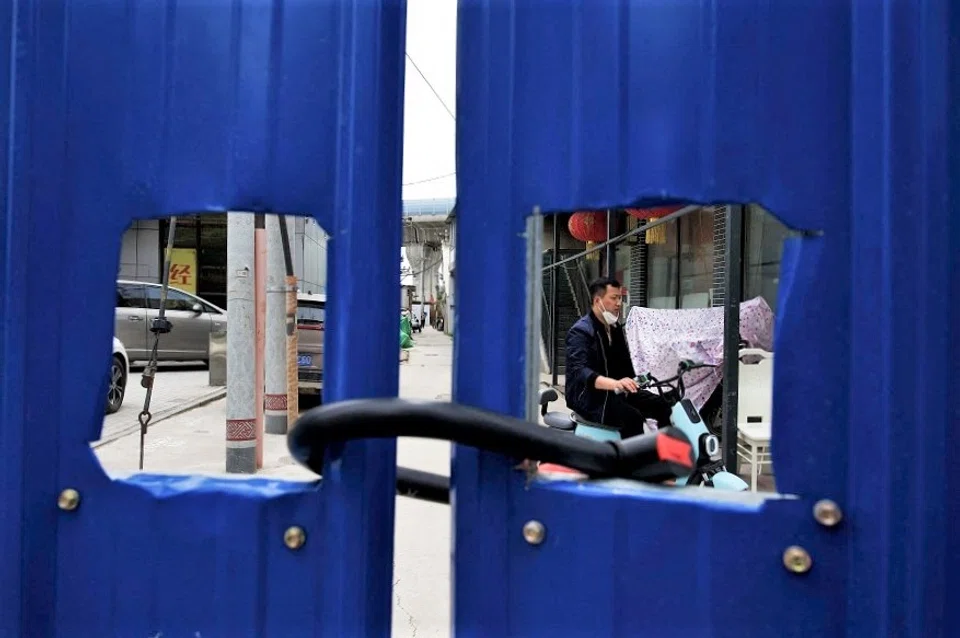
[[619, 386]]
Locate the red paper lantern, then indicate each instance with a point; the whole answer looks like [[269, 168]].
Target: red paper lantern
[[588, 226]]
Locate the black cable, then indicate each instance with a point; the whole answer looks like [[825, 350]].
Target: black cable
[[437, 95], [424, 269], [655, 457], [424, 486], [429, 179], [285, 245]]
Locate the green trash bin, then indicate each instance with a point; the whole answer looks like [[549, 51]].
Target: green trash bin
[[406, 332]]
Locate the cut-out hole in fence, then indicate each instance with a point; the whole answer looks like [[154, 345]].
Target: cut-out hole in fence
[[668, 286], [233, 277], [225, 270]]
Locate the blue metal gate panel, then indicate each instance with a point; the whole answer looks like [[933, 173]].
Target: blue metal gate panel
[[842, 118], [128, 110]]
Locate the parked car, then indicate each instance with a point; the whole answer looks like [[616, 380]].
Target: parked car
[[193, 319], [311, 317], [119, 373]]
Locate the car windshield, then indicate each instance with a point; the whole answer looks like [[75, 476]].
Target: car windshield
[[310, 314]]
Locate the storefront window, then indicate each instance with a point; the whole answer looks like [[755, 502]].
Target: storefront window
[[662, 264], [213, 259], [763, 252], [696, 259], [207, 235], [681, 274], [680, 261]]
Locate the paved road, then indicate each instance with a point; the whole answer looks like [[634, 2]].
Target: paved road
[[175, 386]]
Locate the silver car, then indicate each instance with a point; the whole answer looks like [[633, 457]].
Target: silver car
[[193, 319], [119, 373]]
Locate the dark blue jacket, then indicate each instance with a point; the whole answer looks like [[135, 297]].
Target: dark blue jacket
[[590, 355]]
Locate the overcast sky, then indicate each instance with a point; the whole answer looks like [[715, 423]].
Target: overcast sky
[[429, 139]]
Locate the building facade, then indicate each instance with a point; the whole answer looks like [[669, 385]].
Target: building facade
[[448, 273], [201, 240], [680, 266], [685, 266]]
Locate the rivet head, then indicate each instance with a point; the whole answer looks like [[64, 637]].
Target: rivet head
[[534, 532], [827, 513], [294, 537], [797, 560], [68, 500]]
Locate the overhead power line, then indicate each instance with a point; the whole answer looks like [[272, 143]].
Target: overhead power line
[[429, 179], [437, 95]]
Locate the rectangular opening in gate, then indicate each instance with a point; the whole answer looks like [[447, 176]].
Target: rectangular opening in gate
[[237, 283], [630, 295], [244, 294]]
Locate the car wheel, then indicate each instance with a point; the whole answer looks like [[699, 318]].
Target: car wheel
[[118, 385]]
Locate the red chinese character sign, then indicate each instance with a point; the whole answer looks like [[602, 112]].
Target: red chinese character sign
[[183, 269]]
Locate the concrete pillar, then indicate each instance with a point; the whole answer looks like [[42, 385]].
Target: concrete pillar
[[293, 370], [275, 400], [241, 441], [260, 305]]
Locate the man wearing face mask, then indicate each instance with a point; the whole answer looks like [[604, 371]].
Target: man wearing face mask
[[598, 365]]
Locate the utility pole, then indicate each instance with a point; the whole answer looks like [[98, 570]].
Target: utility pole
[[293, 371], [275, 400], [260, 269], [241, 456], [733, 292], [423, 289], [554, 311]]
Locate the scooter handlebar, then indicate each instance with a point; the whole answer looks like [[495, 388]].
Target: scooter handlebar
[[656, 457]]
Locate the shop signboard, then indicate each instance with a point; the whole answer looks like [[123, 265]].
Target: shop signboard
[[183, 269]]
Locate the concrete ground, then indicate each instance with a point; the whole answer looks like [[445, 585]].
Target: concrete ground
[[176, 388], [193, 442]]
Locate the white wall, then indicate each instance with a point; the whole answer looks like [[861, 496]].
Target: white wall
[[140, 252], [424, 264], [449, 253], [310, 255]]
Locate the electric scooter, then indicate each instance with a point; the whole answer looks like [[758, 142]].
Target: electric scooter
[[709, 470]]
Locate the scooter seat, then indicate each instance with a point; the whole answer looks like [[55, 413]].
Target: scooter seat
[[597, 432], [560, 421]]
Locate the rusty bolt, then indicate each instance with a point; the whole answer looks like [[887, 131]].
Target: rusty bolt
[[294, 537], [797, 560], [827, 513], [68, 500]]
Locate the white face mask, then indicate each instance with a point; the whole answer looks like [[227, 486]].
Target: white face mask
[[608, 316]]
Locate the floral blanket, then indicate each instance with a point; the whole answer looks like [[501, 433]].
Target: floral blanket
[[660, 339]]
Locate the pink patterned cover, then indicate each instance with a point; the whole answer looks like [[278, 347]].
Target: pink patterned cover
[[660, 339]]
